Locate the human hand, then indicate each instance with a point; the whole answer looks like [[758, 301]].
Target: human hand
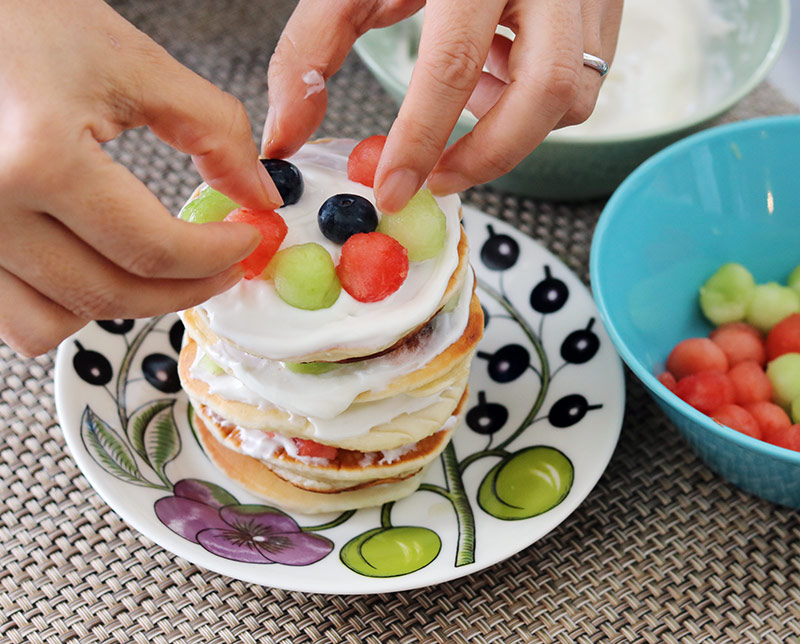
[[80, 237], [535, 83]]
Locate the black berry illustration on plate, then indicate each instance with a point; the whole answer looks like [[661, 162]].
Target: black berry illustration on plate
[[176, 336], [569, 410], [549, 295], [499, 252], [162, 372], [486, 417], [580, 346], [507, 363], [118, 326], [91, 366]]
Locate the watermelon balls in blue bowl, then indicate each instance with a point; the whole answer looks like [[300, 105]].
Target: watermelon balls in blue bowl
[[727, 194]]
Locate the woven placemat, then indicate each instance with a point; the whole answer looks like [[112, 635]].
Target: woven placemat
[[662, 550]]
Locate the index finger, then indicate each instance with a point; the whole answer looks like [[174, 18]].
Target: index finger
[[198, 118], [545, 68], [455, 41], [312, 47]]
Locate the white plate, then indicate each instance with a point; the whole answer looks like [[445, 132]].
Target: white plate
[[541, 425]]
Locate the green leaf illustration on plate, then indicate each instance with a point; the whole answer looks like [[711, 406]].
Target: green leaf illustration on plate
[[140, 419], [108, 449], [390, 552], [154, 434], [526, 483]]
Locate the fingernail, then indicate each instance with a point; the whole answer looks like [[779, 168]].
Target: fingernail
[[396, 189], [231, 276], [266, 136], [271, 192], [447, 182], [237, 236]]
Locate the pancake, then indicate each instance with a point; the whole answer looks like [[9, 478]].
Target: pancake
[[409, 420], [252, 318], [260, 481], [343, 470], [344, 406], [251, 402]]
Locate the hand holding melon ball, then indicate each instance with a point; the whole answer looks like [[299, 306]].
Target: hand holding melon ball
[[746, 373], [81, 238]]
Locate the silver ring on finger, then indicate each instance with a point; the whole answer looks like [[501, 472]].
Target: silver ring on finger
[[597, 64]]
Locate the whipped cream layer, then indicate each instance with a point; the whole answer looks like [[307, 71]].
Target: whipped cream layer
[[355, 420], [253, 316], [266, 445], [261, 382]]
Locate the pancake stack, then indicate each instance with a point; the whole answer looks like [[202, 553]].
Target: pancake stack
[[341, 407]]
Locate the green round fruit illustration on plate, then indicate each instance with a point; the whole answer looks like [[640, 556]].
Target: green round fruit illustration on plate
[[391, 551], [526, 483]]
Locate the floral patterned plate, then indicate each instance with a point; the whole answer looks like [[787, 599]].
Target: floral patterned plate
[[544, 414]]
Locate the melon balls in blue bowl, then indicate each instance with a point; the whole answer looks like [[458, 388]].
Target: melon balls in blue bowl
[[730, 194]]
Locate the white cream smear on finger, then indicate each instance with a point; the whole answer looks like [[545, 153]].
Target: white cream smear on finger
[[314, 82], [252, 316]]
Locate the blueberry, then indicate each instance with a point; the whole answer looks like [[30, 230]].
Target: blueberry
[[287, 179], [344, 215]]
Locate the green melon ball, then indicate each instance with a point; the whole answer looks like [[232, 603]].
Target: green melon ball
[[771, 302], [305, 277], [795, 410], [420, 227], [794, 280], [207, 206], [726, 294], [784, 374]]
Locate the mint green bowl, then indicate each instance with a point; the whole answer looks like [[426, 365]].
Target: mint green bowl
[[572, 167]]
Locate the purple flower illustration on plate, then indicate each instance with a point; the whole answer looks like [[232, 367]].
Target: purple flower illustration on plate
[[208, 515]]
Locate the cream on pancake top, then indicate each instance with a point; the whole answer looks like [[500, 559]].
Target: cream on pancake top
[[252, 316]]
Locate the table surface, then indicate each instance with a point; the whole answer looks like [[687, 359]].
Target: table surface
[[662, 550]]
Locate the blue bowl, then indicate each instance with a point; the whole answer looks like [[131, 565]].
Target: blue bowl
[[731, 193]]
